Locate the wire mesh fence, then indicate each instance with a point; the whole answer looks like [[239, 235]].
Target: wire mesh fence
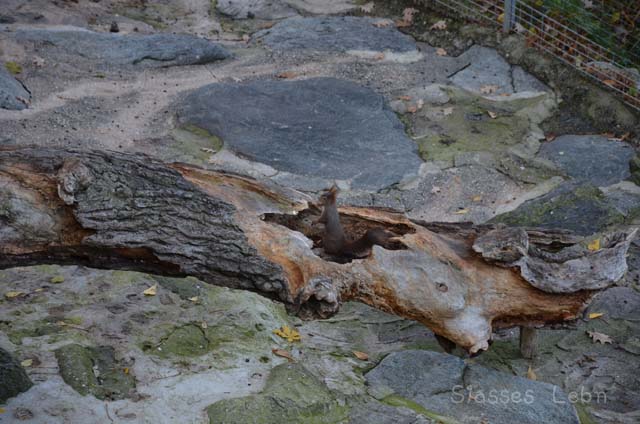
[[600, 38]]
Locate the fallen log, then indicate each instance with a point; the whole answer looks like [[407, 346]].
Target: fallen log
[[120, 211]]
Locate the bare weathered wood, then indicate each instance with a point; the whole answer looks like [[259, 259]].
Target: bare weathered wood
[[118, 211], [528, 342]]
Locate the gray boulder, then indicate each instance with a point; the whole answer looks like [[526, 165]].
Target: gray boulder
[[321, 127], [590, 158], [11, 91], [445, 385], [13, 378], [114, 50], [335, 34]]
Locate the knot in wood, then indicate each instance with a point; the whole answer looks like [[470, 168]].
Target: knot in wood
[[73, 177]]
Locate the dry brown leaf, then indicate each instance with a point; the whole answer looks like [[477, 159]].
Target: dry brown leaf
[[282, 353], [151, 291], [361, 355], [440, 25], [367, 7], [407, 14], [378, 56], [405, 98], [595, 315], [492, 115], [531, 375], [550, 137], [599, 337], [383, 23], [441, 52], [488, 89], [412, 109], [287, 75]]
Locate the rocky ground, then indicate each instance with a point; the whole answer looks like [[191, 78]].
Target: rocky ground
[[444, 123]]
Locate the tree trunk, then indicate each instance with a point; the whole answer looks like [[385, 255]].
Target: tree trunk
[[118, 211]]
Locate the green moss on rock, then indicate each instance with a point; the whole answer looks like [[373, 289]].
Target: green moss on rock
[[193, 144], [291, 395], [401, 402], [188, 340], [13, 67], [14, 380], [95, 371]]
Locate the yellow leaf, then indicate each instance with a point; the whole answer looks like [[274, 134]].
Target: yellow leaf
[[13, 294], [38, 290], [462, 211], [594, 245], [126, 370], [361, 355], [283, 353], [194, 299], [27, 362], [2, 410], [57, 279], [287, 333], [501, 18], [531, 375], [477, 198], [595, 315], [151, 291]]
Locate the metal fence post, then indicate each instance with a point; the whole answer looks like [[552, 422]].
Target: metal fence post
[[509, 15]]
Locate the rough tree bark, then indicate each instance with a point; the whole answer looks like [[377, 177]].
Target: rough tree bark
[[117, 211]]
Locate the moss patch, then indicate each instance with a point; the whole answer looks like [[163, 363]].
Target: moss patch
[[186, 288], [95, 371], [188, 340], [399, 401], [13, 68], [291, 395], [193, 144]]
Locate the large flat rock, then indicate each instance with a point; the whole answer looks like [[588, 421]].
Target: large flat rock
[[11, 91], [322, 127], [335, 34], [108, 50], [445, 385], [590, 158]]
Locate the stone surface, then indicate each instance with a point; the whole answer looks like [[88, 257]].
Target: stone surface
[[110, 51], [11, 91], [320, 127], [13, 377], [340, 34], [617, 303], [489, 74], [259, 9], [291, 395], [581, 208], [590, 158], [445, 385]]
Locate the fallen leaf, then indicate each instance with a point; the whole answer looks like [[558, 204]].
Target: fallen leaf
[[2, 410], [599, 337], [125, 370], [595, 315], [476, 198], [435, 190], [550, 137], [283, 353], [383, 23], [367, 7], [203, 325], [378, 56], [287, 333], [440, 25], [501, 18], [405, 98], [151, 291], [488, 89], [39, 289], [441, 52], [57, 279], [412, 109], [193, 299], [361, 355], [531, 375], [594, 245], [462, 211], [287, 75], [407, 14], [27, 362], [207, 150], [13, 294], [447, 111], [493, 115]]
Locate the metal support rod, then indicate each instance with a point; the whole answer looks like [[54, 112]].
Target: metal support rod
[[509, 15]]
